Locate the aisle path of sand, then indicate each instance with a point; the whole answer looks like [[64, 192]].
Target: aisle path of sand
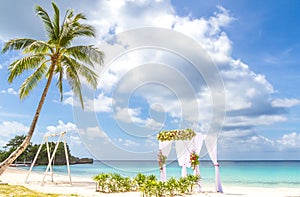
[[86, 187]]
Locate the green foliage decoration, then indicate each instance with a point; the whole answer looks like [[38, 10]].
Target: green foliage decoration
[[161, 160], [170, 135]]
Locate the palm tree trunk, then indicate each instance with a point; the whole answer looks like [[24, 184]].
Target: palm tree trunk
[[14, 155]]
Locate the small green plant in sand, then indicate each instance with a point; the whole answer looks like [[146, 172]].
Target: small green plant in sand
[[148, 185]]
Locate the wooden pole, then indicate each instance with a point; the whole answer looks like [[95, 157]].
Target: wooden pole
[[48, 153], [34, 160], [50, 161], [67, 157]]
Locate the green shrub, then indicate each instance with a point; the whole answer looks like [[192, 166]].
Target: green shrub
[[183, 184], [193, 180], [147, 185]]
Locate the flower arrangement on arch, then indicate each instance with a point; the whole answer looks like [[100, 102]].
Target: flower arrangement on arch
[[161, 160], [194, 159], [186, 134]]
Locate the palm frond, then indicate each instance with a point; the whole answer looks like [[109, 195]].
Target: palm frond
[[56, 20], [47, 21], [72, 29], [86, 54], [84, 30], [89, 75], [80, 16], [78, 55], [17, 44], [83, 70], [66, 28], [31, 82], [19, 66], [38, 47], [60, 71], [74, 80]]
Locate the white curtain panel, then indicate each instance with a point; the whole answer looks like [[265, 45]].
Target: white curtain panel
[[183, 151], [197, 142], [165, 148], [163, 174], [212, 151], [197, 170], [197, 145], [183, 171]]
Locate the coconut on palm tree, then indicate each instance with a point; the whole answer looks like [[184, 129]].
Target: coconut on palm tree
[[54, 57]]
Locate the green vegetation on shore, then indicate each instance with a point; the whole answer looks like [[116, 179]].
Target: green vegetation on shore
[[31, 150], [17, 190], [147, 185]]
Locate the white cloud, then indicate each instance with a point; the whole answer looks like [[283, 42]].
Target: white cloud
[[75, 143], [69, 101], [126, 142], [289, 141], [93, 132], [12, 91], [2, 143], [252, 121], [101, 103], [285, 102], [208, 33], [62, 127], [75, 140], [9, 91], [131, 115], [247, 141], [93, 139], [151, 142], [12, 128], [247, 93], [130, 143], [123, 15], [1, 66]]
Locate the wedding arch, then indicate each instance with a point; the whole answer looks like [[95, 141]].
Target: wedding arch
[[49, 169], [188, 145]]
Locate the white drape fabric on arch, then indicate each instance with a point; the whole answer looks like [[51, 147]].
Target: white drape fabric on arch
[[183, 151], [163, 174], [197, 145], [165, 148], [212, 151]]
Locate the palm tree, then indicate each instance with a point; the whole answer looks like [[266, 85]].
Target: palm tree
[[55, 57]]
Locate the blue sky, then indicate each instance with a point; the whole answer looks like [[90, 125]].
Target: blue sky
[[255, 46]]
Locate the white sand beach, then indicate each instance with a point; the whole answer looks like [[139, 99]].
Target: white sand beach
[[86, 187]]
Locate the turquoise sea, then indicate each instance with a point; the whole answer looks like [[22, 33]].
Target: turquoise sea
[[239, 173]]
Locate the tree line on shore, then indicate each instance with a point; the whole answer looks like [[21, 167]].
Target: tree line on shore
[[28, 155]]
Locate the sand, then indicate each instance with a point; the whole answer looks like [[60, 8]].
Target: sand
[[86, 187]]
